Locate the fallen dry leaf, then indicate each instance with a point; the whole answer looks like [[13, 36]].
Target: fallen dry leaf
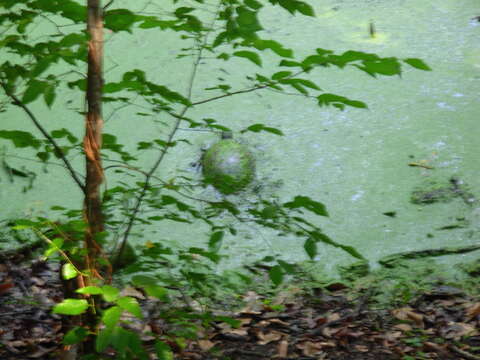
[[282, 349], [403, 327], [266, 338], [407, 314], [310, 348], [457, 330], [205, 345], [472, 311]]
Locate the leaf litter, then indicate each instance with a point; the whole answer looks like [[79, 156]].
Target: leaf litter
[[327, 324]]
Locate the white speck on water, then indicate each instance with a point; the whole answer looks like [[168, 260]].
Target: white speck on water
[[315, 146], [458, 95], [439, 145], [358, 195], [443, 105]]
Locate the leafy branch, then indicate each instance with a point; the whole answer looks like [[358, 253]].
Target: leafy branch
[[58, 151]]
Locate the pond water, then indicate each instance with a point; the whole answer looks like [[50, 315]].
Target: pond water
[[355, 161]]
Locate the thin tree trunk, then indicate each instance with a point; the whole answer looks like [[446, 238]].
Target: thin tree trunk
[[93, 134], [92, 145]]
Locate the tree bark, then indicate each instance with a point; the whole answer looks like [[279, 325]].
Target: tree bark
[[93, 136], [92, 144]]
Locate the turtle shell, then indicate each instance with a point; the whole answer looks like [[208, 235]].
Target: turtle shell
[[229, 166]]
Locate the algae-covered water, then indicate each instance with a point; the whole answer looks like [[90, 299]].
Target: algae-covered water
[[364, 165]]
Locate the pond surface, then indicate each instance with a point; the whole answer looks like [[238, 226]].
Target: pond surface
[[355, 161]]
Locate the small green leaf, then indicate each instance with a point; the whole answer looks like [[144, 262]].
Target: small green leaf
[[339, 101], [307, 203], [131, 305], [53, 247], [310, 247], [215, 242], [41, 66], [417, 63], [250, 55], [163, 351], [119, 20], [75, 336], [157, 291], [110, 293], [318, 236], [34, 90], [49, 95], [273, 45], [247, 20], [111, 316], [281, 74], [261, 127], [253, 4], [20, 139], [71, 307], [143, 280], [103, 339], [287, 267], [276, 275], [68, 271], [90, 290]]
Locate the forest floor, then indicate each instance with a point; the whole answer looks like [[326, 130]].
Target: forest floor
[[333, 323]]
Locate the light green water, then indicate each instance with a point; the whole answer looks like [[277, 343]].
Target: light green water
[[355, 161]]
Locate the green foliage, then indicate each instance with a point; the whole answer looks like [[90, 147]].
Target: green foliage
[[141, 197]]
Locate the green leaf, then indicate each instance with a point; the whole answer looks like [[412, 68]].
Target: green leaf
[[276, 275], [253, 4], [111, 316], [49, 95], [157, 291], [318, 236], [143, 280], [281, 74], [71, 307], [261, 127], [215, 242], [119, 20], [417, 63], [42, 65], [247, 21], [302, 82], [90, 290], [163, 351], [103, 339], [64, 133], [68, 271], [250, 55], [131, 305], [339, 101], [386, 66], [110, 293], [310, 247], [307, 203], [53, 247], [295, 5], [75, 336], [273, 45], [290, 63], [34, 90], [182, 11], [289, 268]]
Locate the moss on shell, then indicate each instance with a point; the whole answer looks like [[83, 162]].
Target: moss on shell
[[229, 166]]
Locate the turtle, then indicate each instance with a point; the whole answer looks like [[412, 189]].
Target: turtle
[[228, 165]]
